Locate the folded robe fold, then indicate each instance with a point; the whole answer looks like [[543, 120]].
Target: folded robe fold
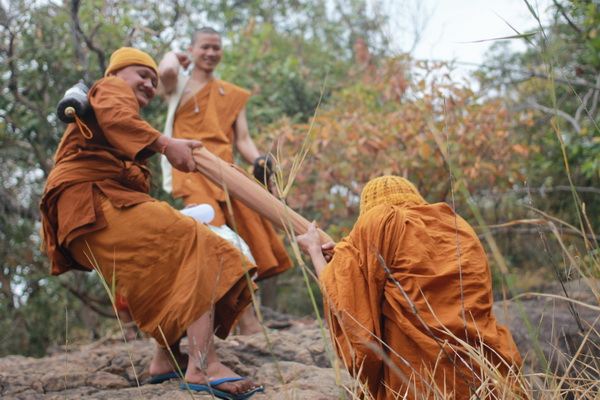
[[96, 213], [426, 248]]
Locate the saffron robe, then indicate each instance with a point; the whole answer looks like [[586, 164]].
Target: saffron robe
[[209, 115], [426, 248], [97, 214]]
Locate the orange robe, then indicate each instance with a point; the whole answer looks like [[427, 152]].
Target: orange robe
[[423, 247], [210, 116], [97, 214]]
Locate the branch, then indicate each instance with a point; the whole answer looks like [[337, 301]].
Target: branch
[[87, 39], [583, 106], [88, 301], [3, 16], [592, 109], [13, 87], [560, 188], [12, 80], [11, 207], [557, 112], [565, 16], [77, 39], [536, 231], [177, 13], [528, 74]]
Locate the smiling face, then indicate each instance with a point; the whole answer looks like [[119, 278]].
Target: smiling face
[[142, 80], [206, 51]]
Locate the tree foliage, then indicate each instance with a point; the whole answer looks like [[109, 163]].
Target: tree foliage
[[393, 120]]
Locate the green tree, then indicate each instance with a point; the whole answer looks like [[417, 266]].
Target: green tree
[[552, 90]]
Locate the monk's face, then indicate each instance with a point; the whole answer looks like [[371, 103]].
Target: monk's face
[[142, 80], [206, 51]]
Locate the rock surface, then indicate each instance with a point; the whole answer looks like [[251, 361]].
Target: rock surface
[[103, 370], [551, 325], [293, 364]]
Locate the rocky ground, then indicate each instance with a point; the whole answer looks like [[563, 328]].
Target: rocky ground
[[293, 365]]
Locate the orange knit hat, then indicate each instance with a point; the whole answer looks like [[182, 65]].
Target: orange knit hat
[[390, 190], [126, 56]]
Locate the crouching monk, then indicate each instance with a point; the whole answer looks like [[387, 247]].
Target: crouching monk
[[97, 214], [405, 331]]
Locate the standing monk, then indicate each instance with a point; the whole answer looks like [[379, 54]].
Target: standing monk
[[205, 108], [408, 292], [97, 214]]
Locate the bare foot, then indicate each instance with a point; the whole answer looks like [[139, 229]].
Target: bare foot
[[162, 362], [217, 370], [248, 322]]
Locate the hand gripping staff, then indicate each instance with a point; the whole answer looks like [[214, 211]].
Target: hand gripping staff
[[253, 195]]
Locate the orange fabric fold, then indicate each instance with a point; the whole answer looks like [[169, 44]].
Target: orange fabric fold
[[112, 162], [372, 321], [170, 268], [210, 116]]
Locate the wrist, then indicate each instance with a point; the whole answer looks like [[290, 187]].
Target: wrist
[[163, 143], [315, 251]]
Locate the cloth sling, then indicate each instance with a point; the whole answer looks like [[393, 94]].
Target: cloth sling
[[174, 100]]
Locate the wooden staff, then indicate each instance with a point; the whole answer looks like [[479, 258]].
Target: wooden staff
[[253, 195]]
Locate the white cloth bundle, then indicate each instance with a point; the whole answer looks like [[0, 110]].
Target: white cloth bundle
[[204, 213]]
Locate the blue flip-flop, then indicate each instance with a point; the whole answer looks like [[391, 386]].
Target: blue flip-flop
[[210, 388], [156, 379]]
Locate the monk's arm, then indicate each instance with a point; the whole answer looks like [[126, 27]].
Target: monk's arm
[[318, 261], [118, 114], [310, 243], [168, 71], [177, 151], [243, 142]]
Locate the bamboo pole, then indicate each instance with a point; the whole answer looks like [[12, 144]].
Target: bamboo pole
[[253, 195]]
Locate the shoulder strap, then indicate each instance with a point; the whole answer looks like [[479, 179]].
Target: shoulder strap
[[173, 101]]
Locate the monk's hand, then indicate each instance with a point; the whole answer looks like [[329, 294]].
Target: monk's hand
[[184, 59], [263, 169], [179, 153], [327, 250], [310, 242]]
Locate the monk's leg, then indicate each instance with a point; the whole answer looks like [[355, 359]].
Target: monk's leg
[[248, 322], [129, 328], [204, 364], [162, 361]]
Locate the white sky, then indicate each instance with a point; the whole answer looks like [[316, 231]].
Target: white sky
[[454, 22]]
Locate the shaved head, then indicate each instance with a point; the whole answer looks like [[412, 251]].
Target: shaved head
[[206, 30]]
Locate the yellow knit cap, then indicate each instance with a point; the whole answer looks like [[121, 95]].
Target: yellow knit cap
[[390, 190], [126, 56]]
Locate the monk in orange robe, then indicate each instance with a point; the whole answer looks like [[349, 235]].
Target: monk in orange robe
[[407, 292], [178, 277], [205, 108]]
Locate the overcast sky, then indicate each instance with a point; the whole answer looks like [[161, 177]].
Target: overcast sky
[[451, 23]]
